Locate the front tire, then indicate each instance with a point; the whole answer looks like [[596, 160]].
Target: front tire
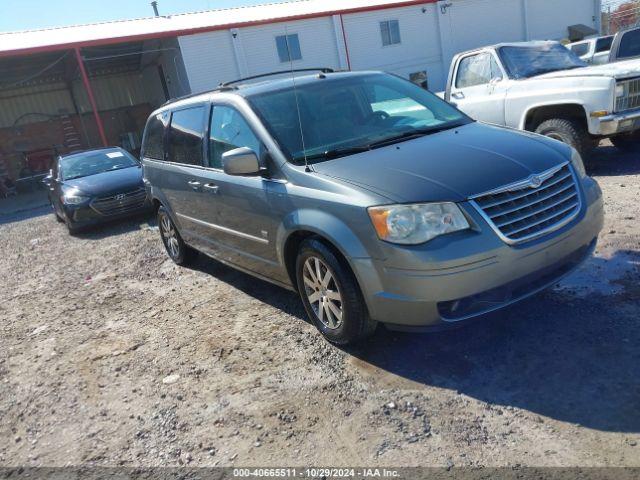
[[569, 132], [331, 295], [178, 251]]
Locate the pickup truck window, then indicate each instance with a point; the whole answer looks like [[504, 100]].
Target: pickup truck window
[[580, 49], [477, 69], [630, 44], [604, 44], [530, 61]]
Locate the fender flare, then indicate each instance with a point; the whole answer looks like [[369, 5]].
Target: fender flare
[[569, 103], [323, 224]]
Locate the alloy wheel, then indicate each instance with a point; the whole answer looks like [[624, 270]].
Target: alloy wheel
[[170, 236], [322, 292]]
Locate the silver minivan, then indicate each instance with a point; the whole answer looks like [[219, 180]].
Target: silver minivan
[[372, 198]]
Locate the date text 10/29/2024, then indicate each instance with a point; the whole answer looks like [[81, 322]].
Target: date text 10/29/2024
[[315, 472]]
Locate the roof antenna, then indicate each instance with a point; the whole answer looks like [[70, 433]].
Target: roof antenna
[[154, 5], [295, 94]]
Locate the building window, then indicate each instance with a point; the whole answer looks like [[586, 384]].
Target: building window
[[390, 31], [288, 47]]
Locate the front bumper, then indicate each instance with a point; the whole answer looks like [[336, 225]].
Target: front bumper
[[461, 276], [84, 215], [619, 123]]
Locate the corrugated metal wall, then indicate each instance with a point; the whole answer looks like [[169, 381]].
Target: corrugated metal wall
[[419, 48], [113, 91], [46, 99], [431, 34]]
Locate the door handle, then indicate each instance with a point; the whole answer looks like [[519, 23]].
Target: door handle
[[458, 95], [195, 185], [211, 188]]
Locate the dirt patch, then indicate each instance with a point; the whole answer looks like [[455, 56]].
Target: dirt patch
[[111, 355]]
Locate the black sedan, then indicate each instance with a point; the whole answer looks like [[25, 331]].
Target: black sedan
[[95, 186]]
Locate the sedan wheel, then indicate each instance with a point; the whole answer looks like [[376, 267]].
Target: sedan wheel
[[322, 292]]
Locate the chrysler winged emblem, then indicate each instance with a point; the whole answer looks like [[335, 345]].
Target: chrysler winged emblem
[[535, 181], [120, 197]]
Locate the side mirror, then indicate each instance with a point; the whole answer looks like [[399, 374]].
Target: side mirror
[[241, 161]]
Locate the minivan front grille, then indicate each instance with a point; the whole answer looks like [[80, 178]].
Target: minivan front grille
[[532, 207], [120, 203], [631, 98]]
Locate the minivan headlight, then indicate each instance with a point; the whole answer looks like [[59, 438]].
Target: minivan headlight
[[419, 223], [578, 164]]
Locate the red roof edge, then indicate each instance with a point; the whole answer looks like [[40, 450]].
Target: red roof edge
[[192, 31]]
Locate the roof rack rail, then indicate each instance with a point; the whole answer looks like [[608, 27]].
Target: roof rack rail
[[221, 88], [281, 72]]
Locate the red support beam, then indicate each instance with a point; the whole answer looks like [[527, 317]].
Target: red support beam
[[92, 99]]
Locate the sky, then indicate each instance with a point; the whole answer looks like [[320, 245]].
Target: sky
[[33, 14]]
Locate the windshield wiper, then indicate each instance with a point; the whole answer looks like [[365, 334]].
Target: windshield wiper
[[551, 70], [338, 152], [410, 134]]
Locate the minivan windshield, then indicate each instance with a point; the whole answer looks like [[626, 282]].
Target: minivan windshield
[[331, 118], [92, 163], [532, 60]]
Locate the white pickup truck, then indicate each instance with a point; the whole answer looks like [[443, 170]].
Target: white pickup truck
[[545, 88]]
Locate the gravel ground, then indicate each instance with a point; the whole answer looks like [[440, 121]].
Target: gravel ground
[[111, 355]]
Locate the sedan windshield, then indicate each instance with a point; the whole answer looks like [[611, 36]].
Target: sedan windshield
[[328, 119], [529, 61], [92, 163]]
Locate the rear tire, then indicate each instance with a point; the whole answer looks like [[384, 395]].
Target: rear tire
[[178, 251], [627, 143], [331, 295], [569, 132]]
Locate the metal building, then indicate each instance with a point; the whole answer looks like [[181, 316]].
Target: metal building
[[71, 88]]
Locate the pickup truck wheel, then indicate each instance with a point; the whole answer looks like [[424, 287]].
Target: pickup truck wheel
[[331, 295], [569, 132], [628, 143], [178, 251]]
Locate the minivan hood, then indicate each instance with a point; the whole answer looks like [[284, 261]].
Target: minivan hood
[[452, 165], [618, 70], [108, 183]]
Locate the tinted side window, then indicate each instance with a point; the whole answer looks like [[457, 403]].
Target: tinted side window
[[630, 44], [477, 70], [152, 145], [580, 49], [185, 136], [604, 44], [229, 130]]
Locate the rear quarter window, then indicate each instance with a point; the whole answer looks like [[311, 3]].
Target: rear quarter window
[[153, 144]]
